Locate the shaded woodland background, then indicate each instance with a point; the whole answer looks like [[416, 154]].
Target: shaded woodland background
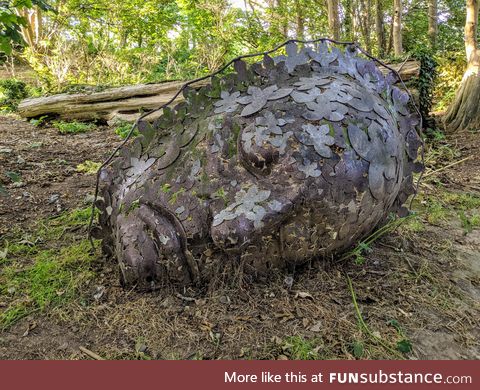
[[411, 292], [70, 44]]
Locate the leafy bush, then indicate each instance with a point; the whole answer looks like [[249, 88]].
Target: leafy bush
[[88, 167], [12, 91], [72, 127], [123, 128], [450, 72], [426, 83]]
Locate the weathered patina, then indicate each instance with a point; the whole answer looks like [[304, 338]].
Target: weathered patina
[[283, 161]]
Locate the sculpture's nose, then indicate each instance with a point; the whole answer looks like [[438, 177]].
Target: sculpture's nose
[[149, 250]]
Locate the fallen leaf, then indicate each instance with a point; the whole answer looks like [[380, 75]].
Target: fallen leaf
[[303, 294], [317, 327]]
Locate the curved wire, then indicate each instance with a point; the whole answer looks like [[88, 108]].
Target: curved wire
[[223, 68]]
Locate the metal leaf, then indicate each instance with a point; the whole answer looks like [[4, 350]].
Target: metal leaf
[[270, 122], [310, 96], [280, 142], [400, 100], [281, 93], [323, 108], [228, 102], [246, 203], [138, 166], [318, 137], [241, 69], [359, 141], [307, 83], [293, 57], [258, 98], [322, 55], [376, 180], [274, 205], [171, 154], [218, 143], [309, 169], [376, 149]]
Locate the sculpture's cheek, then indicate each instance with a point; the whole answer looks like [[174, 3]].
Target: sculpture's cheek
[[233, 235]]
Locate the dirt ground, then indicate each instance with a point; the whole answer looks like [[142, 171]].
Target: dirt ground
[[413, 294]]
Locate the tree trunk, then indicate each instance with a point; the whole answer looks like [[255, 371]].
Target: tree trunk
[[348, 20], [432, 23], [282, 16], [333, 20], [397, 28], [390, 38], [300, 21], [379, 28], [364, 18], [464, 113]]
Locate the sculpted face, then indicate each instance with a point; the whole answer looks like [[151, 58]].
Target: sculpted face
[[291, 159]]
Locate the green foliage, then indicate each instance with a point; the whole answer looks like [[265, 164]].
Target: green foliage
[[444, 205], [72, 127], [425, 84], [88, 167], [298, 348], [11, 22], [89, 43], [14, 176], [404, 345], [37, 122], [12, 91], [3, 191], [53, 278], [450, 72], [358, 349], [35, 278], [123, 128], [364, 247]]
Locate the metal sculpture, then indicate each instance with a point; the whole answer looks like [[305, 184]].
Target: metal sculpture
[[290, 159]]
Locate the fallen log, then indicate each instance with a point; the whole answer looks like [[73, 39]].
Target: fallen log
[[407, 70], [126, 103]]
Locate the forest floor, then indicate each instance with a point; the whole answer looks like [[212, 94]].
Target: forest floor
[[414, 293]]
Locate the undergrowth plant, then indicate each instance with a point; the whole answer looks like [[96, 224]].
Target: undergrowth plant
[[88, 167], [364, 247], [425, 84], [72, 127], [122, 128], [450, 72], [12, 91], [35, 276]]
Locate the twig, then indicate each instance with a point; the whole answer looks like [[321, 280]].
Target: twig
[[184, 298], [447, 166], [412, 268], [87, 352], [403, 63]]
